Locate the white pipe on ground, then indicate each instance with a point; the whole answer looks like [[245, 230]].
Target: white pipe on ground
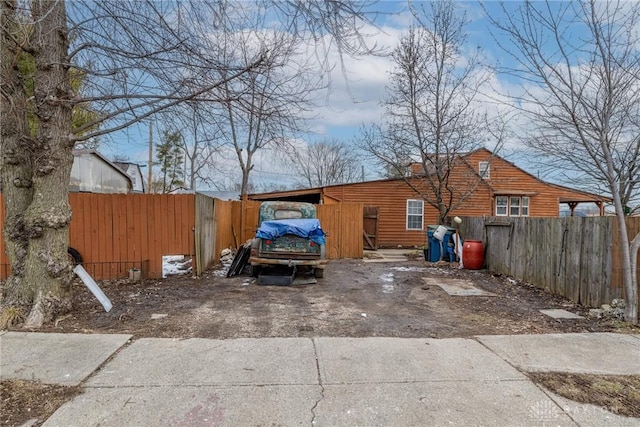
[[93, 287]]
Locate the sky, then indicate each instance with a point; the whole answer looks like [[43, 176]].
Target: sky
[[353, 101]]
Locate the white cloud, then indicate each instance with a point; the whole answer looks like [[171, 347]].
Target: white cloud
[[357, 85]]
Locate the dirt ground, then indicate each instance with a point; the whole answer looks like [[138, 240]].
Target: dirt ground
[[31, 403], [354, 299], [618, 394]]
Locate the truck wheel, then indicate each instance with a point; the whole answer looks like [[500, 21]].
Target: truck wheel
[[318, 273]]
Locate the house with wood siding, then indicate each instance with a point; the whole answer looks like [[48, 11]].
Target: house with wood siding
[[396, 214]]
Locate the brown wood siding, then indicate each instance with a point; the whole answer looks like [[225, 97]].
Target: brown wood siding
[[504, 177], [391, 198]]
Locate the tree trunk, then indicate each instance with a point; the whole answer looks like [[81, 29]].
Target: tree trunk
[[16, 165], [628, 279], [633, 249], [630, 285], [37, 226]]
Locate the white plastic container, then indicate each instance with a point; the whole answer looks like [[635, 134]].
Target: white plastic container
[[440, 232]]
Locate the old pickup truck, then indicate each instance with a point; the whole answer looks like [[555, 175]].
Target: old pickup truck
[[289, 234]]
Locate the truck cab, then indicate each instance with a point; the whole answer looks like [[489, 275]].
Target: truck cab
[[289, 234]]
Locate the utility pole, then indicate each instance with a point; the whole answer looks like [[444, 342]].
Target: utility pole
[[150, 157], [184, 179]]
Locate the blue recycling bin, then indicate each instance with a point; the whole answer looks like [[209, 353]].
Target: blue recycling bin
[[434, 250]]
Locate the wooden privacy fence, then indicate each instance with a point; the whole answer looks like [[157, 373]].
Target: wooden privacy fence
[[575, 257], [115, 233], [343, 224], [118, 232], [236, 222], [205, 233]]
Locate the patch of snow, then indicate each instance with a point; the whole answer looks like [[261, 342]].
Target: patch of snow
[[226, 259], [175, 264], [442, 271], [222, 272], [419, 269], [387, 277], [387, 286]]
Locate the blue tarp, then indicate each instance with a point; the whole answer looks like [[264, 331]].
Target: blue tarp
[[309, 228]]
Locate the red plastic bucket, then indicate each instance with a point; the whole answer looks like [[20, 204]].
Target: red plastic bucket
[[473, 254]]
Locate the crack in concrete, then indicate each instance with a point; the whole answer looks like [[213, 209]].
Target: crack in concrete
[[315, 405]]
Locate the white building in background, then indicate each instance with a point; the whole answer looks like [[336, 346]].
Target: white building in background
[[135, 173], [93, 173]]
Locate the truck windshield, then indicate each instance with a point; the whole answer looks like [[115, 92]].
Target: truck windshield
[[287, 214]]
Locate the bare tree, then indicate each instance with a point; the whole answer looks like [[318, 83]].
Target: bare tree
[[126, 51], [430, 118], [326, 163], [137, 58], [266, 108], [579, 63], [198, 123], [36, 165]]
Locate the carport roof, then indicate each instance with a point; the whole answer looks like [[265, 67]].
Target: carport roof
[[313, 195]]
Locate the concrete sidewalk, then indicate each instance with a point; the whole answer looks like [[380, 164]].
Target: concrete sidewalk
[[320, 381]]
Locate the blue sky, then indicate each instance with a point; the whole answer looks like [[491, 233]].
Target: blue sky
[[345, 110]]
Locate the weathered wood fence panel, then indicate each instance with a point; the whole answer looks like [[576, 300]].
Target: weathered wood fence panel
[[496, 238], [574, 257], [205, 233]]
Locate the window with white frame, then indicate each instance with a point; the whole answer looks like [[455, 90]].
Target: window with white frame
[[524, 207], [415, 212], [484, 170], [512, 206], [501, 205]]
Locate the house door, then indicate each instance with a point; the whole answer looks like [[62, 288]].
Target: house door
[[370, 227]]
